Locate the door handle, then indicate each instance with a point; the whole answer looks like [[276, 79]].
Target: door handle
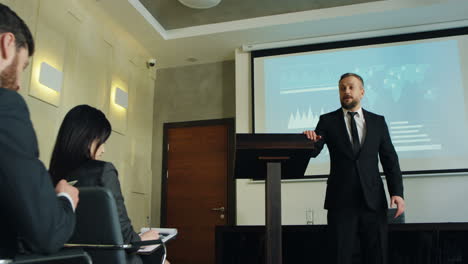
[[220, 209]]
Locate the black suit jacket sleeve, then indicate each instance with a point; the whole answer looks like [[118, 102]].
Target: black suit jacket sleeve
[[35, 215], [390, 164], [320, 130], [110, 180]]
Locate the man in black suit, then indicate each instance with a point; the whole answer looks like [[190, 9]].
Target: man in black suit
[[355, 196], [34, 217]]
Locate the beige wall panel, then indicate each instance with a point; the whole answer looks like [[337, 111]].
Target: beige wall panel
[[140, 125], [27, 12], [116, 148], [46, 122], [120, 79], [10, 3], [91, 76], [55, 45], [51, 46], [139, 203]]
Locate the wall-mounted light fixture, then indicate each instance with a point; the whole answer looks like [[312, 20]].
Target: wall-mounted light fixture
[[51, 77], [121, 98]]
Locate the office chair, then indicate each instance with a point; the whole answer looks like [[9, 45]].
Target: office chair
[[63, 256], [98, 229]]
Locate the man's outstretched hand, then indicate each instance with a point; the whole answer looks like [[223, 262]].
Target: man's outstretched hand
[[310, 134]]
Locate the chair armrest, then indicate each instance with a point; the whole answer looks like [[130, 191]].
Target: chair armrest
[[132, 245], [99, 246]]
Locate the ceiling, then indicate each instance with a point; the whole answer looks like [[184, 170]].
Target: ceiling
[[171, 14], [177, 35]]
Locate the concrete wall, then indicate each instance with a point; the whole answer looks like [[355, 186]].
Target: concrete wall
[[189, 93]]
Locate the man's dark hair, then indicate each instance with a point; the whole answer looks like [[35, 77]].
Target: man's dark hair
[[348, 74], [11, 22]]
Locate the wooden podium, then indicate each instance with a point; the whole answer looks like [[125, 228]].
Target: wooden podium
[[272, 157]]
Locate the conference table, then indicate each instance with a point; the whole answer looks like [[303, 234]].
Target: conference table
[[412, 243]]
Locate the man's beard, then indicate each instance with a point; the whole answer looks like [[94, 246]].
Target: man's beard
[[8, 76], [349, 105]]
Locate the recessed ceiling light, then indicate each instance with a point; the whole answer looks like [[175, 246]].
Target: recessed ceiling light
[[200, 4]]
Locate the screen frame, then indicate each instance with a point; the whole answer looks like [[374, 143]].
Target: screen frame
[[361, 42]]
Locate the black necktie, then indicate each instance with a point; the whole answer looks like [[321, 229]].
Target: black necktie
[[354, 133]]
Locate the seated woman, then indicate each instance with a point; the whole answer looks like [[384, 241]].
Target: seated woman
[[79, 146]]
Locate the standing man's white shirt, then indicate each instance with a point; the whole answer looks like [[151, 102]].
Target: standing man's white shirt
[[360, 123]]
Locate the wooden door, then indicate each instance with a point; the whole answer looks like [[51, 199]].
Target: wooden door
[[196, 190]]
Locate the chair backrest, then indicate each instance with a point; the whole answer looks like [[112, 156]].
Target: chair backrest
[[97, 222]]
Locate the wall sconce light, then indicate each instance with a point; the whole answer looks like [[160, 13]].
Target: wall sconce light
[[51, 77], [121, 98]]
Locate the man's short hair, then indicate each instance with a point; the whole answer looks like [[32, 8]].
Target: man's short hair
[[348, 74], [11, 22]]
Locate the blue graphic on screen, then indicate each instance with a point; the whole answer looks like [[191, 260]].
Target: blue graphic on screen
[[417, 87]]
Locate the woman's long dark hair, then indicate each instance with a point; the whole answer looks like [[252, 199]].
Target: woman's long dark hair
[[81, 126]]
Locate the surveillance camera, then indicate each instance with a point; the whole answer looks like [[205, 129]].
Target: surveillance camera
[[151, 63]]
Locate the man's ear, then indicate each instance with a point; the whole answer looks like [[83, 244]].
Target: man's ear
[[7, 46]]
